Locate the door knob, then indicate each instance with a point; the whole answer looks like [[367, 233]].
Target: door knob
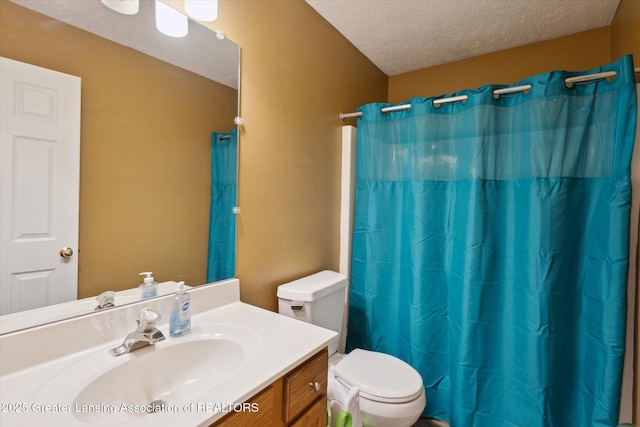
[[66, 252]]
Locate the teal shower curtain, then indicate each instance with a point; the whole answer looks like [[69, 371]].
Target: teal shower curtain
[[222, 220], [490, 248]]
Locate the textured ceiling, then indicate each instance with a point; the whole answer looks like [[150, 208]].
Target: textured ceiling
[[406, 35]]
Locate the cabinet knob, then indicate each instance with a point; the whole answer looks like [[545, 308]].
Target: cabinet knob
[[315, 386]]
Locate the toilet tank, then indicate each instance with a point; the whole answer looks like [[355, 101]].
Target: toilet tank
[[317, 299]]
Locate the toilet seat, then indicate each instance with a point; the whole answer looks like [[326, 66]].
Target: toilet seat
[[379, 376]]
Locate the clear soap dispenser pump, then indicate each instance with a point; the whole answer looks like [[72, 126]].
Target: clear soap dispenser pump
[[180, 321], [149, 287]]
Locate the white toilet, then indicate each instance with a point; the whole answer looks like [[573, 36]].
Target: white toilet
[[391, 392]]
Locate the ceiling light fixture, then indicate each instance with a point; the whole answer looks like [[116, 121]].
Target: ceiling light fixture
[[171, 22], [126, 7], [202, 10]]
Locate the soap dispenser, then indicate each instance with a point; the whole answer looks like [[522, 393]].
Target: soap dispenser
[[149, 287], [180, 321]]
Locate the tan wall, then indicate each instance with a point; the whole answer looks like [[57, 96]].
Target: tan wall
[[581, 51], [625, 39], [625, 31], [298, 74], [144, 192]]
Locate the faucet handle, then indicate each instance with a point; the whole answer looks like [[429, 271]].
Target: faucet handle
[[148, 319], [106, 300]]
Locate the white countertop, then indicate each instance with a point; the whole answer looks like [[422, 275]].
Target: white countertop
[[26, 387]]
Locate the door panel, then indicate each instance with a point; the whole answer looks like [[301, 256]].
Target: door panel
[[39, 185]]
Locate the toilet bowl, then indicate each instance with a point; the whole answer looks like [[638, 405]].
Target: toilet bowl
[[391, 392]]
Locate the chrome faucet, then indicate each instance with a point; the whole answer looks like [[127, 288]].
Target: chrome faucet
[[146, 334], [105, 300]]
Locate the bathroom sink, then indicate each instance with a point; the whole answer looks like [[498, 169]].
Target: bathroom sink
[[102, 389], [159, 379]]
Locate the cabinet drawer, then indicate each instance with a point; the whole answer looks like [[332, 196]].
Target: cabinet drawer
[[262, 417], [304, 385]]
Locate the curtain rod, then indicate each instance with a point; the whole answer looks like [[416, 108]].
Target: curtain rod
[[568, 81]]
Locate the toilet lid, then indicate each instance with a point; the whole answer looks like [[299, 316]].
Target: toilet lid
[[379, 376]]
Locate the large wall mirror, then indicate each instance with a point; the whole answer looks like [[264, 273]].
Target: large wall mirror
[[155, 110]]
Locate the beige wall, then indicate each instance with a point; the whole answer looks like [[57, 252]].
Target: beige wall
[[298, 74], [145, 151]]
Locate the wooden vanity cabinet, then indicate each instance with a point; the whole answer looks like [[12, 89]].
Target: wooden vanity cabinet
[[298, 399]]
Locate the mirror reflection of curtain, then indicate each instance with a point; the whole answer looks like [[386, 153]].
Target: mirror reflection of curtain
[[222, 220], [490, 248]]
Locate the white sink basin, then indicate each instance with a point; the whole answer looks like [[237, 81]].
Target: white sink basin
[[168, 376], [157, 379]]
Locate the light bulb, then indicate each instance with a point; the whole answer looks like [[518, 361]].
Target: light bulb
[[202, 10], [171, 22], [126, 7]]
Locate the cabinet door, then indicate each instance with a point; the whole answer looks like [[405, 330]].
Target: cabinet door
[[316, 416], [258, 414]]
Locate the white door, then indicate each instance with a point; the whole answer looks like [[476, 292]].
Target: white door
[[39, 186]]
